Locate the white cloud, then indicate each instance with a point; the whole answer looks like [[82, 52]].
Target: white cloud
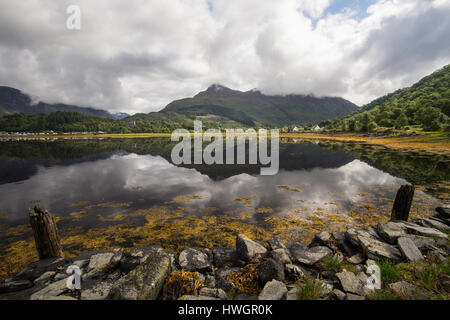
[[137, 56]]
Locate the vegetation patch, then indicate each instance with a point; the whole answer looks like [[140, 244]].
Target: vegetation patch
[[181, 283], [310, 288], [246, 280]]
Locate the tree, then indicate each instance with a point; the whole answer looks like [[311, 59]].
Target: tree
[[428, 117], [401, 121]]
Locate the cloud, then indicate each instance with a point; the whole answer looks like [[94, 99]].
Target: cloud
[[137, 56]]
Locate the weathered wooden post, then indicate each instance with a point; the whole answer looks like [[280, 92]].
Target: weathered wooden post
[[45, 233], [402, 203]]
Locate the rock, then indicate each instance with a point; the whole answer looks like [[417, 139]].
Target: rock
[[99, 291], [15, 285], [433, 224], [409, 249], [226, 257], [104, 262], [277, 243], [138, 256], [273, 290], [60, 276], [270, 269], [350, 282], [293, 272], [292, 294], [354, 297], [337, 294], [221, 279], [36, 269], [311, 256], [44, 278], [407, 291], [424, 231], [215, 293], [81, 263], [51, 292], [321, 239], [422, 243], [440, 219], [210, 281], [391, 231], [248, 249], [339, 236], [357, 258], [190, 297], [348, 248], [281, 255], [374, 248], [195, 260], [444, 282], [444, 212], [145, 281]]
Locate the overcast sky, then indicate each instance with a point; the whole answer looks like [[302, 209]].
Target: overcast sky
[[139, 55]]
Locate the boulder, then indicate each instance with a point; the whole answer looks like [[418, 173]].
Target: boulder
[[36, 269], [14, 285], [357, 258], [226, 257], [391, 231], [273, 290], [270, 269], [52, 291], [310, 256], [372, 246], [406, 290], [350, 283], [99, 291], [221, 279], [281, 255], [424, 231], [277, 243], [337, 294], [145, 281], [292, 294], [293, 272], [195, 260], [248, 249], [103, 262], [409, 249], [431, 223], [422, 243], [213, 292], [321, 239], [44, 278]]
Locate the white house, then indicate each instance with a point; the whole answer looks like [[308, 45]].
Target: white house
[[316, 128]]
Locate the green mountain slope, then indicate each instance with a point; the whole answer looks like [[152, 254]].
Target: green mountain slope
[[252, 108], [426, 103]]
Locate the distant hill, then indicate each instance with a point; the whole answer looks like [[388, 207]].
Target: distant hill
[[15, 101], [426, 103], [252, 108]]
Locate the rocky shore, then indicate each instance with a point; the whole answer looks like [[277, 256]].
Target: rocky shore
[[333, 266]]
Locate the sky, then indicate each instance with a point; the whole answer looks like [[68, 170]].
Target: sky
[[139, 55]]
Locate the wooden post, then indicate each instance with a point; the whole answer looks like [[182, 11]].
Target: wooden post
[[402, 204], [45, 233]]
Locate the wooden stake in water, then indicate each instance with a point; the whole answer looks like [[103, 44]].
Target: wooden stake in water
[[402, 204], [45, 233]]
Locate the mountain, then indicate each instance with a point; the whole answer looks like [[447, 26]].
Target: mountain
[[426, 103], [252, 108], [15, 101]]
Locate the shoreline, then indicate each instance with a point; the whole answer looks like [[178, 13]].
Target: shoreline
[[336, 266]]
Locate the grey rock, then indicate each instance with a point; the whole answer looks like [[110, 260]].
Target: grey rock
[[36, 269], [312, 255], [292, 294], [406, 290], [321, 239], [444, 282], [339, 236], [424, 231], [221, 279], [444, 212], [145, 281], [409, 249], [104, 262], [270, 269], [248, 249], [44, 278], [246, 297], [15, 285], [348, 248], [281, 255], [60, 276], [226, 257], [391, 231], [195, 260], [357, 258], [215, 293], [422, 243], [81, 263], [431, 223], [293, 272], [337, 294], [99, 291], [273, 290], [51, 292], [277, 243], [374, 248], [350, 282]]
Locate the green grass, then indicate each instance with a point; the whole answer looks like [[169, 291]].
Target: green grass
[[335, 265], [383, 295], [390, 273], [309, 289]]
